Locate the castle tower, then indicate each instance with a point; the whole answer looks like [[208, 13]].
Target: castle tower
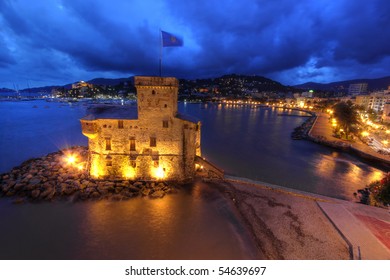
[[157, 97]]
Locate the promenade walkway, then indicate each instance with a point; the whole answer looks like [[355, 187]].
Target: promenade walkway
[[322, 129], [365, 228]]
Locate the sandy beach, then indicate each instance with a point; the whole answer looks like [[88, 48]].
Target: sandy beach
[[288, 224]]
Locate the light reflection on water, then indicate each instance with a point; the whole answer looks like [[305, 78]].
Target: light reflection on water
[[180, 226]]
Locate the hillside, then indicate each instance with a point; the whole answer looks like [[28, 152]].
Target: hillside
[[232, 85], [373, 84]]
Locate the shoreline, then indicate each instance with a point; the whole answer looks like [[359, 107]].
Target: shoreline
[[323, 137]]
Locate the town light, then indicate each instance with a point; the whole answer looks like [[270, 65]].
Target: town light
[[365, 133], [385, 142]]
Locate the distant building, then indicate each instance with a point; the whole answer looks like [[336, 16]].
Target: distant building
[[375, 101], [296, 95], [159, 143], [307, 94], [386, 112], [357, 89], [301, 102], [81, 85]]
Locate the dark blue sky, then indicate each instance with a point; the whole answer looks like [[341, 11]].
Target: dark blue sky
[[48, 42]]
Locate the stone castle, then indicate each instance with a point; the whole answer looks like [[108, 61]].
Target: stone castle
[[158, 144]]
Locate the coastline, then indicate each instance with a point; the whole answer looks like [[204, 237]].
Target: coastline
[[321, 133]]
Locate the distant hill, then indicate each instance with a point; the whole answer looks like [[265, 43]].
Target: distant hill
[[373, 84], [45, 90], [96, 81], [110, 82], [233, 84], [6, 90]]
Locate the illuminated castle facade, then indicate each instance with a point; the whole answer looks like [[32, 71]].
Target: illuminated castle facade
[[158, 144]]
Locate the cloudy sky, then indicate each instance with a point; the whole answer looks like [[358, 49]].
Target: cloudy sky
[[54, 42]]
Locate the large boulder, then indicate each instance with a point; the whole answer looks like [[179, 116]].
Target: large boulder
[[145, 191], [133, 189], [138, 185], [157, 194], [35, 193], [94, 195]]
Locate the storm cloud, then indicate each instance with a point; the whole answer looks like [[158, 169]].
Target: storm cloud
[[46, 42]]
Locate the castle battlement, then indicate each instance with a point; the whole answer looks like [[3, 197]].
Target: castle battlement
[[156, 81]]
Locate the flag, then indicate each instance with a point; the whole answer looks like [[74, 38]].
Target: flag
[[170, 40]]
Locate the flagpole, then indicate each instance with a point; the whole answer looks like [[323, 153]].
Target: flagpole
[[160, 66]]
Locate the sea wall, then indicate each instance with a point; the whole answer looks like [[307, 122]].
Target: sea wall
[[344, 146]]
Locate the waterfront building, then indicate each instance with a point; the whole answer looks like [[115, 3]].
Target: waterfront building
[[386, 113], [158, 143], [375, 101], [357, 89]]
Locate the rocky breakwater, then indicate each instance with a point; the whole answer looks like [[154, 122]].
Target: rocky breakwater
[[62, 175], [301, 132]]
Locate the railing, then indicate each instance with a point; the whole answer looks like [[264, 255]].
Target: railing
[[211, 168]]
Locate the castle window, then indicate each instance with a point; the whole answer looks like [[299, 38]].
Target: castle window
[[108, 144], [120, 123], [153, 142], [108, 160], [165, 105], [153, 92], [132, 144], [165, 124]]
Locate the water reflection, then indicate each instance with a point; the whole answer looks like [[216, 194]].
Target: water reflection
[[325, 166], [196, 223]]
